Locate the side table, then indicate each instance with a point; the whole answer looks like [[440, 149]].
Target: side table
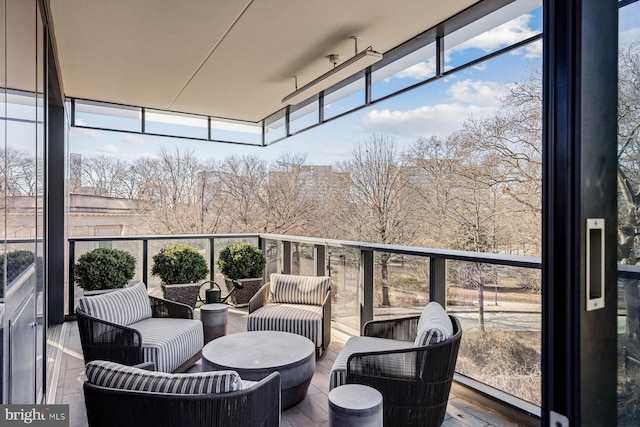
[[214, 320], [352, 405]]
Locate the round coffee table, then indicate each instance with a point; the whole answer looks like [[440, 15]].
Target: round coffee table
[[256, 354]]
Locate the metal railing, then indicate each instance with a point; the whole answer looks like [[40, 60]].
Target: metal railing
[[437, 262]]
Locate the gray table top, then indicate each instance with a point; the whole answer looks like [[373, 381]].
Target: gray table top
[[258, 350]]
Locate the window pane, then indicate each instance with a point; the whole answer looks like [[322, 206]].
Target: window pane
[[236, 131], [301, 117], [107, 116], [406, 71], [274, 127], [344, 99], [175, 124], [518, 21]]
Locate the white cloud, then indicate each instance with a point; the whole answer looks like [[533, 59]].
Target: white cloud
[[477, 92], [481, 67], [333, 151], [441, 119], [108, 148], [503, 35], [91, 133], [420, 71]]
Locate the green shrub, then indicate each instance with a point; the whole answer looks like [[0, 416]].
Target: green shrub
[[104, 268], [179, 263], [241, 261], [17, 262]]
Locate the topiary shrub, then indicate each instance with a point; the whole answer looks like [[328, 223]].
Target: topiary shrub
[[241, 261], [179, 263], [104, 268]]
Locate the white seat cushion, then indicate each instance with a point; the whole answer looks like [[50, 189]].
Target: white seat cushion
[[169, 342], [122, 306], [292, 289], [301, 319], [434, 325], [363, 344]]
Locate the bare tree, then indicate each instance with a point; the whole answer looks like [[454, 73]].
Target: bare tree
[[629, 176], [380, 206], [241, 181]]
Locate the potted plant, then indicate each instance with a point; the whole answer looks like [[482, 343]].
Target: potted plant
[[104, 269], [180, 268], [244, 263]]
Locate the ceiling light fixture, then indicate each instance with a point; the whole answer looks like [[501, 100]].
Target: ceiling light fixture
[[339, 72]]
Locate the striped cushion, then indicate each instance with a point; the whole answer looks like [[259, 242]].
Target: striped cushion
[[353, 345], [286, 288], [305, 320], [122, 307], [434, 325], [115, 375], [168, 342]]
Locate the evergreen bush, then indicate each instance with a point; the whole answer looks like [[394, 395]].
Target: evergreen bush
[[104, 268], [241, 261], [179, 263]]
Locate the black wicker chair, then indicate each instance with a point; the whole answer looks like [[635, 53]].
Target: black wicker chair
[[257, 406], [417, 396], [102, 340]]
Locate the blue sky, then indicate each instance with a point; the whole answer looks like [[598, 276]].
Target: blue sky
[[437, 108]]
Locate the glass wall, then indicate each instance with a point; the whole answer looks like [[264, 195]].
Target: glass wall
[[628, 214], [22, 145]]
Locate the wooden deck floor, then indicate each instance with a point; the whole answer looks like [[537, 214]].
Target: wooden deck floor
[[68, 375]]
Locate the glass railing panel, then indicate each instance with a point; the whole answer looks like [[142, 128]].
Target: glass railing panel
[[154, 247], [107, 116], [236, 131], [273, 256], [401, 285], [176, 124], [218, 245], [302, 259], [133, 247], [507, 26], [344, 99], [499, 309], [343, 267], [406, 71]]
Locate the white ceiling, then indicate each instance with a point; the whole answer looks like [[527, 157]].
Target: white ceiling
[[224, 58]]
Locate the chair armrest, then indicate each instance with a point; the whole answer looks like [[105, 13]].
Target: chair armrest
[[260, 298], [102, 340], [147, 366], [164, 308], [326, 320], [401, 329]]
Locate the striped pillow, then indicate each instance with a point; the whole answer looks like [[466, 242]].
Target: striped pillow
[[122, 307], [434, 325], [290, 289], [115, 375]]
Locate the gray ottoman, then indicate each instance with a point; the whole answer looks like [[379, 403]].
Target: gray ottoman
[[355, 405], [214, 321]]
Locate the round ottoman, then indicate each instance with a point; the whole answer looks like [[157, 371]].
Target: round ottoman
[[355, 405], [214, 321]]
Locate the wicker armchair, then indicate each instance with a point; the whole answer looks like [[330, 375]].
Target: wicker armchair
[[254, 406], [114, 341], [414, 381]]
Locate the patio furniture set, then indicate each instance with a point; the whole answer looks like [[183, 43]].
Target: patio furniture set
[[137, 347]]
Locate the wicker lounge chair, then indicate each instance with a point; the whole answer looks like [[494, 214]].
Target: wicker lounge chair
[[128, 326], [296, 304], [413, 378], [163, 400]]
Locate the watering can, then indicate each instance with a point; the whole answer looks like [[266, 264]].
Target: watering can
[[212, 296]]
